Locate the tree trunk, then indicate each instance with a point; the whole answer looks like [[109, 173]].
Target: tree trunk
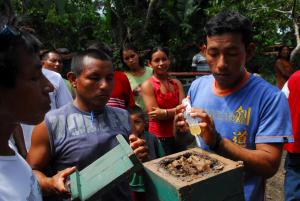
[[297, 48], [149, 13]]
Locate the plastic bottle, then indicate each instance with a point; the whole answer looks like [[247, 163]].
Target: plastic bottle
[[192, 122]]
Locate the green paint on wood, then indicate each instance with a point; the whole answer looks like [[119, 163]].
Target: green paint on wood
[[105, 172]]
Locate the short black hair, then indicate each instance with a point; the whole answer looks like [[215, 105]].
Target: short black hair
[[13, 42], [45, 54], [230, 22], [77, 61], [138, 111], [130, 46]]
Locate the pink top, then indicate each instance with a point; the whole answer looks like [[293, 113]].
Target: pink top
[[164, 128]]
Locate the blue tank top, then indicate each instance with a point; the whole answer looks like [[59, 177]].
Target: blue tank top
[[79, 138]]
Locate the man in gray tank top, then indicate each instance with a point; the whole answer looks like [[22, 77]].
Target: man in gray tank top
[[78, 133]]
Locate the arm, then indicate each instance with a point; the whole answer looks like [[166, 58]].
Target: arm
[[264, 160], [150, 100], [154, 111], [39, 157]]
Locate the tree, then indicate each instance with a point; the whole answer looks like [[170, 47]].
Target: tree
[[177, 24]]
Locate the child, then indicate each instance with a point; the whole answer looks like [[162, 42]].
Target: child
[[155, 150]]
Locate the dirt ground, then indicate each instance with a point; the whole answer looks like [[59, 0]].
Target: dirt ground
[[274, 190]]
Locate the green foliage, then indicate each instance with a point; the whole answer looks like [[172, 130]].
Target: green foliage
[[177, 24], [63, 23]]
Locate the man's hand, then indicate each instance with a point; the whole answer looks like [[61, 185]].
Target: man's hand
[[58, 182], [207, 126], [208, 131], [139, 147]]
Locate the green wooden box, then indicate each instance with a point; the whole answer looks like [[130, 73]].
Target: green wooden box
[[226, 185], [105, 172]]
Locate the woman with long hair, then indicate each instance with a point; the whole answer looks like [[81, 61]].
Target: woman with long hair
[[161, 95], [135, 71]]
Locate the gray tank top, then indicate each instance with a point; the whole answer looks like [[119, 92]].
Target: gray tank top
[[79, 138]]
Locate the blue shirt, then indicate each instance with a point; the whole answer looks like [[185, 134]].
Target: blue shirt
[[256, 113]]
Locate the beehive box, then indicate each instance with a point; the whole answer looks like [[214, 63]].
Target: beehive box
[[222, 182], [105, 172]]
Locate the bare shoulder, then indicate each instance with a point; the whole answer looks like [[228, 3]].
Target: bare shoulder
[[177, 81], [147, 84]]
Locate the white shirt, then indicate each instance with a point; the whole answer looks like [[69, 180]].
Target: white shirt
[[61, 95], [17, 182]]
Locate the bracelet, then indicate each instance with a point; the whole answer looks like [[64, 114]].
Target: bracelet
[[215, 147], [166, 113]]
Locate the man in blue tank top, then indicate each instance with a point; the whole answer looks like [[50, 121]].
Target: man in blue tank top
[[243, 117], [78, 133]]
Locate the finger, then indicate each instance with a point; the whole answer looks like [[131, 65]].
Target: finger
[[66, 172], [151, 113], [180, 107], [203, 124], [141, 153], [61, 186], [197, 110], [202, 115], [141, 149], [137, 143], [132, 138], [154, 108], [179, 117]]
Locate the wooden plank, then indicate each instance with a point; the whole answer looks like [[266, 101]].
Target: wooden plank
[[105, 172]]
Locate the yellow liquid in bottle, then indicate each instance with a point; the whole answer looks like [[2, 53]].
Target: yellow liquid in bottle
[[195, 129]]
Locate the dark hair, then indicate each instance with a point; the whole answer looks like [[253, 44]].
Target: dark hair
[[138, 111], [230, 22], [13, 42], [77, 61], [45, 54], [280, 51], [156, 49], [126, 47], [101, 46]]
